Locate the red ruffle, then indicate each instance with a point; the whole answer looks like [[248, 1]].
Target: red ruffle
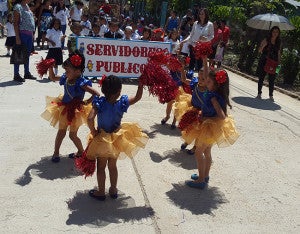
[[188, 118], [71, 107], [43, 66], [85, 165], [202, 49]]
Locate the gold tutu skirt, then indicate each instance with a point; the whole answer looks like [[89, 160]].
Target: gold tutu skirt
[[56, 114], [126, 141], [182, 103], [211, 131]]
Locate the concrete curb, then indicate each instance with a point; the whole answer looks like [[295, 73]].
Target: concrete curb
[[254, 78]]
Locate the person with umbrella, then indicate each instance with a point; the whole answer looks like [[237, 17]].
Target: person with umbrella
[[270, 48]]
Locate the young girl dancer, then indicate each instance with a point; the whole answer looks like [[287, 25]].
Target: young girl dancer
[[214, 125], [69, 111], [198, 87], [181, 97], [54, 37], [112, 139]]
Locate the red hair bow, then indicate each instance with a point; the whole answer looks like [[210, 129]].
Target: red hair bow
[[221, 76], [101, 80], [76, 60]]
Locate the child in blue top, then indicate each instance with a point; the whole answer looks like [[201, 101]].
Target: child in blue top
[[112, 139], [69, 111], [214, 125]]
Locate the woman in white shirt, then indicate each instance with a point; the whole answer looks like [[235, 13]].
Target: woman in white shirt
[[202, 30]]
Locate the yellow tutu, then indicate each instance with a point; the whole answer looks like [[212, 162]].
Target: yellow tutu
[[56, 114], [126, 141], [182, 103], [211, 131]]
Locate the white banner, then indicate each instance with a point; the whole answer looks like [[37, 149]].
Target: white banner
[[125, 59]]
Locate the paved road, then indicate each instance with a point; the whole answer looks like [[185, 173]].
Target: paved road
[[254, 185]]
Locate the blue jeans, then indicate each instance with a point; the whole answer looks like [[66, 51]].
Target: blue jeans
[[25, 40]]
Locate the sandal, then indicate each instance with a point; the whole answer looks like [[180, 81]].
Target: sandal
[[183, 146], [99, 198], [113, 196], [196, 177], [164, 120], [190, 152], [192, 184], [74, 155], [55, 158]]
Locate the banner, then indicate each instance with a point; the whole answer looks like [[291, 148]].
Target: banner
[[117, 57]]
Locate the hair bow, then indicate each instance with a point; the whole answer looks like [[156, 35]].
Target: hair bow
[[221, 76], [76, 60], [102, 79]]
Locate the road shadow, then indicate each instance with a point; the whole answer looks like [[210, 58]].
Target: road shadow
[[43, 80], [263, 104], [48, 170], [179, 158], [10, 83], [89, 211], [162, 129], [195, 200]]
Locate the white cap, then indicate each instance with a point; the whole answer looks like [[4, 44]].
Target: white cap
[[128, 28], [106, 1], [142, 19]]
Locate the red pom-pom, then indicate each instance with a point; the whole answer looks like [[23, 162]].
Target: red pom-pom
[[188, 118], [202, 49], [158, 57], [85, 165], [159, 82], [173, 63], [43, 66]]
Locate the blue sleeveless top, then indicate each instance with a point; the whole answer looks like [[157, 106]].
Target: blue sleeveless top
[[109, 115], [202, 100], [72, 91]]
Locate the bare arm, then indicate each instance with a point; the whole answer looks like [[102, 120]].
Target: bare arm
[[218, 108], [91, 121], [263, 44], [138, 95], [52, 75], [92, 91]]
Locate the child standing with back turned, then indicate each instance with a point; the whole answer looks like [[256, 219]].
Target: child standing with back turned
[[213, 126], [69, 111], [112, 139]]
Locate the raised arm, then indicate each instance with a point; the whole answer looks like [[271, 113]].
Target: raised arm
[[138, 95]]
